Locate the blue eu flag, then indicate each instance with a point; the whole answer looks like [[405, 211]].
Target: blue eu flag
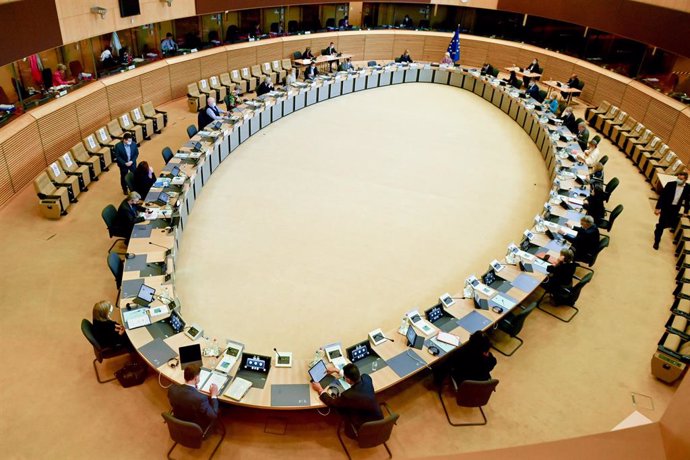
[[454, 47]]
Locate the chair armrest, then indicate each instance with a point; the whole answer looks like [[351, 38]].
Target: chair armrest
[[43, 196], [72, 173], [584, 268], [162, 112], [83, 163], [455, 384], [139, 123]]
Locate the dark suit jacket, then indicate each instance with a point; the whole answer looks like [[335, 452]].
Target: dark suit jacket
[[404, 58], [595, 207], [665, 202], [583, 139], [532, 68], [533, 91], [106, 335], [310, 73], [468, 364], [560, 276], [263, 88], [574, 82], [126, 218], [358, 404], [331, 51], [487, 70], [585, 243], [569, 122], [142, 182], [190, 405], [121, 155]]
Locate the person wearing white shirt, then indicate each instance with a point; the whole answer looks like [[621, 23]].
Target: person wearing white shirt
[[591, 155], [675, 195]]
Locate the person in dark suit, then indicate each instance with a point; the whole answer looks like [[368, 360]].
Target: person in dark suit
[[568, 119], [533, 90], [407, 22], [513, 80], [330, 51], [533, 67], [346, 66], [573, 82], [597, 176], [594, 204], [487, 69], [127, 215], [189, 404], [307, 54], [474, 361], [357, 405], [405, 57], [265, 87], [144, 178], [582, 135], [107, 332], [311, 72], [586, 242], [673, 196], [126, 153], [561, 272]]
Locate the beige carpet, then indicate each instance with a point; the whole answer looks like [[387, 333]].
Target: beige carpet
[[567, 380]]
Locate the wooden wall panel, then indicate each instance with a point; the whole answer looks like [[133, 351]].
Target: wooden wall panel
[[379, 47], [527, 54], [319, 42], [6, 190], [501, 56], [591, 78], [155, 86], [351, 44], [292, 45], [635, 101], [59, 131], [660, 118], [269, 52], [24, 153], [215, 64], [124, 95], [608, 89], [243, 57], [473, 53], [434, 48], [679, 140], [407, 42], [182, 74], [92, 112], [559, 69]]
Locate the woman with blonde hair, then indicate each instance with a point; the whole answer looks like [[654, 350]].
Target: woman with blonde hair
[[108, 333]]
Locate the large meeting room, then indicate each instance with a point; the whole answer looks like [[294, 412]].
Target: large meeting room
[[299, 229]]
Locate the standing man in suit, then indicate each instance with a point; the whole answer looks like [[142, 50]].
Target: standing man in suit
[[127, 215], [586, 242], [582, 135], [673, 196], [189, 404], [311, 72], [126, 153], [357, 405]]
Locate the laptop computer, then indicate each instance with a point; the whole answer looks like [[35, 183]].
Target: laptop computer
[[254, 368], [190, 354], [490, 279], [173, 324], [163, 198], [528, 247], [144, 296], [437, 316], [554, 236], [366, 359], [480, 303], [413, 339]]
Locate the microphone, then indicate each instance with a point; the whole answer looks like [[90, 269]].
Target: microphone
[[277, 354], [387, 338], [168, 251]]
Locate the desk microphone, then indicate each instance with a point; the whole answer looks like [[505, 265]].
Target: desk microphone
[[387, 338], [167, 250]]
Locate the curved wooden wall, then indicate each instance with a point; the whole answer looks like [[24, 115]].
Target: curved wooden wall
[[37, 138]]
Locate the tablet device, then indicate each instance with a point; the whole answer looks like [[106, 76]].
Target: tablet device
[[318, 371]]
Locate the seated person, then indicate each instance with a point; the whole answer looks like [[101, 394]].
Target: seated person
[[582, 135], [291, 77], [586, 243], [487, 69], [573, 82], [569, 119], [513, 80], [60, 76], [344, 23], [407, 22], [473, 361], [591, 155], [405, 57], [189, 404], [533, 67], [125, 58], [446, 59], [232, 99], [127, 216], [552, 103], [210, 113], [331, 51], [265, 87], [168, 45], [594, 203], [107, 57], [561, 272], [144, 178], [307, 54], [311, 71], [107, 332], [357, 405], [597, 176], [532, 90], [346, 66]]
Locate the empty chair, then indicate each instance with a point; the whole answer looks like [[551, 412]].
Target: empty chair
[[607, 224], [610, 187], [645, 138], [191, 131], [661, 163], [604, 160], [237, 80], [641, 152], [251, 81], [279, 71], [103, 152], [297, 55], [372, 434], [648, 160], [116, 131], [470, 393], [148, 125], [257, 73], [116, 268], [159, 117], [100, 352], [129, 180], [627, 126], [610, 115], [286, 64], [167, 154], [512, 324], [59, 178], [590, 112], [330, 23], [46, 190], [608, 125], [138, 131], [293, 26], [195, 99], [190, 434], [268, 71], [204, 88], [82, 157], [371, 64], [71, 168], [566, 297], [215, 84], [109, 215], [633, 133]]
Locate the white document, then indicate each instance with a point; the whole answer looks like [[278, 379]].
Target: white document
[[216, 377]]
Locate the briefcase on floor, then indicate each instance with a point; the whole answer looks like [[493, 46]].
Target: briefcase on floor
[[132, 374]]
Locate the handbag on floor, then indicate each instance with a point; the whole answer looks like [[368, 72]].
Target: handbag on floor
[[132, 374]]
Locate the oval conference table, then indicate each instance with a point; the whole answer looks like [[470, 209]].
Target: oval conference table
[[153, 246]]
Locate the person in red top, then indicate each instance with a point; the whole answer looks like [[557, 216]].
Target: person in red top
[[60, 76]]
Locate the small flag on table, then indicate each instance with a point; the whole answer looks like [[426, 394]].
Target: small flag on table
[[454, 47]]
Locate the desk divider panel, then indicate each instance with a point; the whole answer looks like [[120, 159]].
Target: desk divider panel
[[155, 86], [379, 47], [352, 44], [24, 152], [181, 75], [123, 96], [501, 56], [6, 189], [214, 64], [497, 97], [59, 131], [92, 112]]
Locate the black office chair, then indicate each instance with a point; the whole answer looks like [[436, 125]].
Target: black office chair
[[424, 24], [190, 434], [371, 64], [293, 26], [542, 95], [191, 131], [608, 224], [470, 393], [597, 138], [604, 160], [109, 215], [100, 352], [590, 259], [372, 434], [167, 154], [47, 75], [116, 268], [324, 52], [512, 324], [297, 55], [566, 297], [129, 180], [610, 187], [330, 23]]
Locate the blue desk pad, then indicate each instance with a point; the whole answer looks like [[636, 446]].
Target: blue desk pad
[[525, 282], [142, 231], [290, 395], [130, 288], [473, 322], [554, 245], [136, 263], [405, 364]]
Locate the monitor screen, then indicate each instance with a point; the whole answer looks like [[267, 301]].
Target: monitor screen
[[146, 293], [163, 198], [190, 354], [489, 277], [334, 353], [175, 171], [524, 244], [434, 313], [129, 8], [318, 371], [411, 336], [415, 318], [256, 363], [176, 322], [232, 351], [359, 351]]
